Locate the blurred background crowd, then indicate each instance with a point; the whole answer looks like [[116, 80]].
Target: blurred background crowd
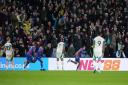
[[76, 22]]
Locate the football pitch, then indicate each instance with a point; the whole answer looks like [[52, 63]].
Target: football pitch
[[62, 78]]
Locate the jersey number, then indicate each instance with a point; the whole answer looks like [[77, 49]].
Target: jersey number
[[8, 47], [99, 43]]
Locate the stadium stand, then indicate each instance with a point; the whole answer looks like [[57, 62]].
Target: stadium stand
[[76, 22]]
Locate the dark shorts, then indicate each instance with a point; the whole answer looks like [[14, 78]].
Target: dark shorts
[[77, 59], [59, 59], [38, 58], [30, 58]]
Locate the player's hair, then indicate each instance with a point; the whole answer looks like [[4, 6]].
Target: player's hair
[[8, 39]]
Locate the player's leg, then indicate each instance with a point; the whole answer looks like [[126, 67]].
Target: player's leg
[[57, 63], [78, 66], [99, 64], [62, 63], [7, 62], [58, 56], [33, 60], [28, 60], [94, 63], [41, 63], [12, 62], [26, 63], [62, 59], [96, 53], [73, 61], [77, 60], [96, 59]]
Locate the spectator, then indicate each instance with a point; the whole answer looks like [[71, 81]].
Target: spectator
[[1, 50], [48, 50], [54, 45], [71, 51], [120, 52], [78, 22]]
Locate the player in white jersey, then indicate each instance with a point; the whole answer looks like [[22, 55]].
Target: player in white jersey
[[98, 52], [9, 53], [60, 53]]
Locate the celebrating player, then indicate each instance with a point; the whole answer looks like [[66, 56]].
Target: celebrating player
[[77, 57], [9, 53], [98, 51], [60, 53]]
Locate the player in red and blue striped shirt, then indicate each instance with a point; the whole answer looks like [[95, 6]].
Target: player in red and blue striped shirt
[[77, 57], [39, 54]]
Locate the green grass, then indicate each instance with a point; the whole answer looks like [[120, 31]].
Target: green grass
[[62, 78]]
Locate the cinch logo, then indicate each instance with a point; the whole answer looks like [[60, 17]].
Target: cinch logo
[[108, 65]]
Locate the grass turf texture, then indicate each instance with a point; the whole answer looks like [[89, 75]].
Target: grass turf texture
[[62, 78]]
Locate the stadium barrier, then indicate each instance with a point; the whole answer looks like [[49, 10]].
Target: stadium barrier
[[108, 64], [19, 64]]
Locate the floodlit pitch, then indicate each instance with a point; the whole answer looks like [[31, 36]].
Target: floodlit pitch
[[63, 78]]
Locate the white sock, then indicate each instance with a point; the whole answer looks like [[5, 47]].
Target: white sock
[[12, 66], [99, 65], [62, 65], [94, 64], [57, 65], [6, 66]]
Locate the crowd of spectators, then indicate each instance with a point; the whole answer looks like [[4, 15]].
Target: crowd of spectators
[[76, 22]]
